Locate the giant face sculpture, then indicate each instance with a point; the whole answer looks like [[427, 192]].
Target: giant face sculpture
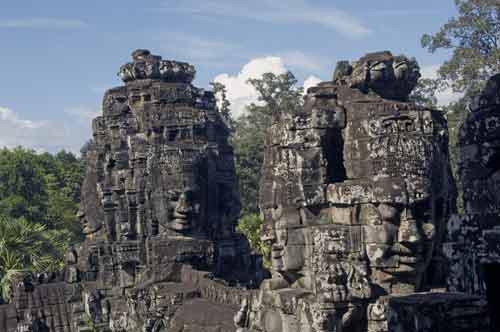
[[355, 193], [288, 250], [392, 77], [178, 192], [399, 241], [90, 212], [184, 209], [402, 190], [162, 163]]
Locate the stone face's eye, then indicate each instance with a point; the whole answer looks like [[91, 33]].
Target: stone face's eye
[[173, 195]]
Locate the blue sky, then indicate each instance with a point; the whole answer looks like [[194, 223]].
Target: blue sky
[[58, 57]]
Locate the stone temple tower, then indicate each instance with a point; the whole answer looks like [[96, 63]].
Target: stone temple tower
[[356, 193], [159, 208]]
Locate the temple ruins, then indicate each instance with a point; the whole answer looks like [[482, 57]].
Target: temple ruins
[[357, 198]]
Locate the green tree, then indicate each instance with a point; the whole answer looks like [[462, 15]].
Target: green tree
[[223, 103], [424, 93], [276, 94], [39, 195], [22, 188], [63, 182], [473, 37], [250, 225], [27, 246]]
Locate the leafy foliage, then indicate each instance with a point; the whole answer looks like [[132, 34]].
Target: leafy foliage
[[28, 246], [424, 93], [39, 195], [277, 94], [223, 103], [22, 189], [473, 37], [250, 225]]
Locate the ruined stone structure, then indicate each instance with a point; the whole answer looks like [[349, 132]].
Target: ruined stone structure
[[473, 244], [159, 207], [355, 195]]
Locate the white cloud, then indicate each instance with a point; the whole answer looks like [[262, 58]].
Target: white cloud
[[42, 23], [444, 97], [310, 82], [69, 134], [9, 116], [290, 11], [240, 93]]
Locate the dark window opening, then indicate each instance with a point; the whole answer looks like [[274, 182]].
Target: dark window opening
[[334, 151], [186, 134], [172, 135], [492, 276]]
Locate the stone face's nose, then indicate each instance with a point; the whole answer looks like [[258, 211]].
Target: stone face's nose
[[183, 205]]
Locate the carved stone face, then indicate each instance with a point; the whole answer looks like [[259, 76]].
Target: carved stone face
[[287, 251], [87, 228], [183, 209], [380, 70], [406, 69], [392, 77], [399, 241], [115, 102], [180, 194]]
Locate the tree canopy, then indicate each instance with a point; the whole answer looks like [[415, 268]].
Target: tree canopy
[[39, 195], [276, 94], [473, 37]]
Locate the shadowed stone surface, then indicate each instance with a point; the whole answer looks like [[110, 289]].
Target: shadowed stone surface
[[473, 246]]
